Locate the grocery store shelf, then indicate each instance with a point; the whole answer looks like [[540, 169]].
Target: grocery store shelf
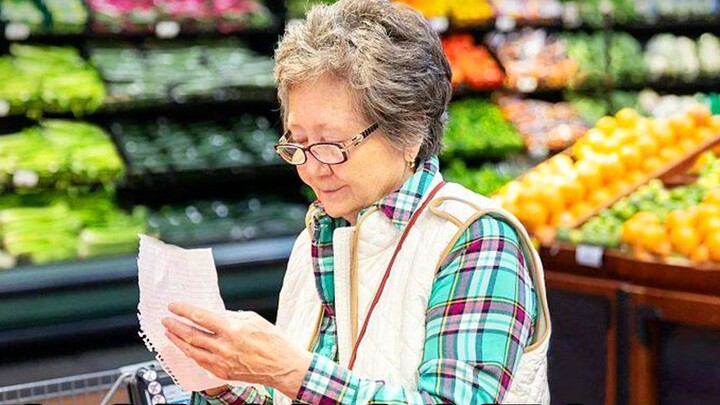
[[27, 279], [674, 274], [88, 34], [101, 295]]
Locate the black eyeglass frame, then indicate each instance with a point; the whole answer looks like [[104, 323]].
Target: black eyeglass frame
[[344, 147]]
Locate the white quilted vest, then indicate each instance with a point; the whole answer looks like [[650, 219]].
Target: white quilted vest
[[393, 345]]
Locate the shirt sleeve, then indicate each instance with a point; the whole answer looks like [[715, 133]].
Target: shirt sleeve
[[234, 396], [480, 318]]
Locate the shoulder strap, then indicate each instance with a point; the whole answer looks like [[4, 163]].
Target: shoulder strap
[[543, 326]]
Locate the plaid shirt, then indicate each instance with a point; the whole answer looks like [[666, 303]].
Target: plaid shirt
[[480, 316]]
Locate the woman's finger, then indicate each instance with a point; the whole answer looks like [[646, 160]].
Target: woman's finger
[[195, 353], [191, 335], [202, 317]]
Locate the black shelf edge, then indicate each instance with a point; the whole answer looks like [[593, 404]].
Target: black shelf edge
[[34, 279], [88, 33]]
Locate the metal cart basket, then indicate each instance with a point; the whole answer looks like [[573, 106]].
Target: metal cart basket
[[100, 388]]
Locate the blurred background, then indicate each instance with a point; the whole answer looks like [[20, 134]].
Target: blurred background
[[595, 122]]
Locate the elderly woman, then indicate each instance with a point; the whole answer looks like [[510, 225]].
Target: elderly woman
[[403, 288]]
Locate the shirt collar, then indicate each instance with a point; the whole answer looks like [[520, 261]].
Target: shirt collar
[[400, 205]]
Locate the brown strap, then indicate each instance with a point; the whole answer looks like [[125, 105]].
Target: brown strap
[[384, 280]]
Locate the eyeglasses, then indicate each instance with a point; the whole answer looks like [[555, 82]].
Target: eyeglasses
[[330, 153]]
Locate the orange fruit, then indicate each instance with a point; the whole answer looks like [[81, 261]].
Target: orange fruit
[[709, 226], [680, 219], [596, 139], [646, 218], [581, 209], [601, 196], [636, 177], [706, 212], [664, 249], [701, 254], [630, 232], [627, 118], [705, 134], [648, 145], [589, 174], [701, 114], [612, 168], [712, 197], [653, 237], [561, 162], [573, 189], [630, 156], [682, 125], [670, 154], [563, 219], [653, 164], [687, 145], [685, 240], [532, 214], [607, 124], [551, 197], [660, 128], [715, 123], [713, 243]]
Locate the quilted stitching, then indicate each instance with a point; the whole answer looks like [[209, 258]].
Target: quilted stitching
[[392, 348]]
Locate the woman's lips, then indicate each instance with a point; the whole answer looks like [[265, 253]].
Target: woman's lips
[[331, 192]]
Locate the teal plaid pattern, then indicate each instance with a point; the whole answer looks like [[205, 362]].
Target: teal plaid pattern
[[479, 319]]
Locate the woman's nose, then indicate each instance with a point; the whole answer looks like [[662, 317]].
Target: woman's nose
[[316, 167]]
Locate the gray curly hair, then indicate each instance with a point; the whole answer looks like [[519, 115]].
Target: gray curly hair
[[391, 58]]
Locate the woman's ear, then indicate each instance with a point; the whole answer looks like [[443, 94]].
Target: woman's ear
[[410, 154]]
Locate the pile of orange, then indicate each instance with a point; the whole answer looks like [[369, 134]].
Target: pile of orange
[[692, 232], [616, 156]]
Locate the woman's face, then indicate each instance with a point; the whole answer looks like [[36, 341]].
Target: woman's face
[[322, 111]]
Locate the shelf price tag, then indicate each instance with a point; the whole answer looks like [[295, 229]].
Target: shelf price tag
[[439, 24], [25, 178], [167, 29], [590, 256], [4, 108], [505, 23], [17, 31]]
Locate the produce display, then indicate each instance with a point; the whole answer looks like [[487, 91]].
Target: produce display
[[58, 154], [209, 222], [683, 59], [592, 108], [546, 126], [56, 16], [533, 59], [608, 162], [528, 10], [484, 180], [656, 105], [143, 16], [472, 65], [590, 52], [34, 79], [164, 146], [159, 72], [649, 11], [478, 130], [656, 221], [46, 227], [461, 12]]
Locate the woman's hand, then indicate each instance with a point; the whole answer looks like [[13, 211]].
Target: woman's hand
[[240, 346]]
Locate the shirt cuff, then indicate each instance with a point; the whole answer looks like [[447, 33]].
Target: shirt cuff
[[232, 396], [327, 382]]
